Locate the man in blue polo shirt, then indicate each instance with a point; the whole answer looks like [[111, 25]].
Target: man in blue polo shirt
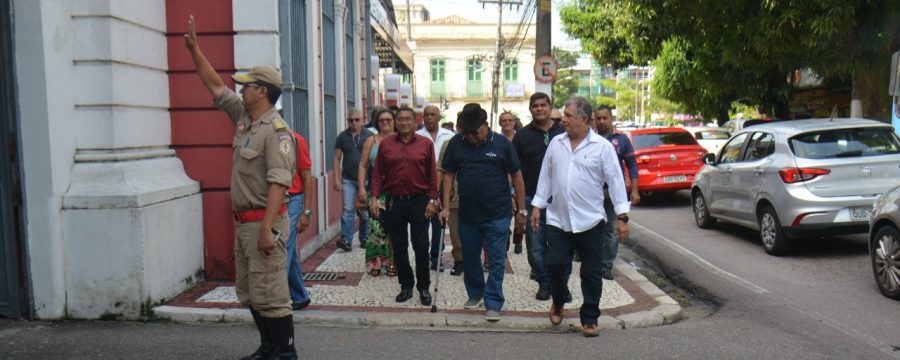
[[603, 124], [483, 161]]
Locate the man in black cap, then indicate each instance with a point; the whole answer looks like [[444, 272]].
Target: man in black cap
[[483, 161]]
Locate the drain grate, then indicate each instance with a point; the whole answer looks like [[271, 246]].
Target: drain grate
[[321, 276]]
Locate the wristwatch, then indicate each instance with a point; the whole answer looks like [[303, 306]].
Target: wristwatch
[[307, 212], [523, 212], [623, 218], [433, 202]]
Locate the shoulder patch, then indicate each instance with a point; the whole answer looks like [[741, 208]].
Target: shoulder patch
[[286, 147], [279, 124]]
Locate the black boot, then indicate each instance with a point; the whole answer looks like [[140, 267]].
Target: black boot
[[282, 330], [267, 346]]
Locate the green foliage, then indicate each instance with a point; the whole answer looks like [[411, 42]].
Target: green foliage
[[710, 54], [627, 99], [566, 83]]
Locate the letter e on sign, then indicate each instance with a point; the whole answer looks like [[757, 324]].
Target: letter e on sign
[[545, 69]]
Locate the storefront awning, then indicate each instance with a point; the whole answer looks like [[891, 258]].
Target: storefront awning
[[392, 51]]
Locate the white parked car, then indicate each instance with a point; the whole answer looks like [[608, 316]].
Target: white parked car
[[711, 139]]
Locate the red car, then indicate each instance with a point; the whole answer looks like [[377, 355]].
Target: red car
[[667, 158]]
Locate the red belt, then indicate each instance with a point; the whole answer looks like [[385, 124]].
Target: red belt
[[254, 215]]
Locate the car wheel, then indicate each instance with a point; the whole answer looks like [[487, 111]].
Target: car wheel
[[771, 234], [701, 212], [885, 254]]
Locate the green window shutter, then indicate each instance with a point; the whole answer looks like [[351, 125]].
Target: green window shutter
[[438, 87]]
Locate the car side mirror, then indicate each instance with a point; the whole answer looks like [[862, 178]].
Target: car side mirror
[[709, 159]]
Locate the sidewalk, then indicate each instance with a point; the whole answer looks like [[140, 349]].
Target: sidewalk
[[353, 298]]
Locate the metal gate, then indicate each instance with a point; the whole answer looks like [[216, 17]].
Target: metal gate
[[10, 193]]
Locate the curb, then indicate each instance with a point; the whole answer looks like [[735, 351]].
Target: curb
[[667, 312]]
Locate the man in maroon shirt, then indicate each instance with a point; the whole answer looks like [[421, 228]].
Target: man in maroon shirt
[[406, 172]]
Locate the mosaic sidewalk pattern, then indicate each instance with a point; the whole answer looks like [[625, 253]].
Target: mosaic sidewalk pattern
[[357, 290]]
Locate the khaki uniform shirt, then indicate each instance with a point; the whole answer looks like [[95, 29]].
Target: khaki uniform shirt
[[264, 152]]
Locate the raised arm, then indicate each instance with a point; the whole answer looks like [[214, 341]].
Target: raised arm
[[208, 75]]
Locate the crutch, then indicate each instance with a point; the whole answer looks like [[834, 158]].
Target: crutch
[[440, 262]]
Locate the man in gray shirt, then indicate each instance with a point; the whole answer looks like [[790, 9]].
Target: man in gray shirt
[[347, 148]]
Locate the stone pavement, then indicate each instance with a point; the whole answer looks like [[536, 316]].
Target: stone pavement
[[354, 298]]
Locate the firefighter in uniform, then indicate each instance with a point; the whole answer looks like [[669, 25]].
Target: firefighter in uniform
[[263, 161]]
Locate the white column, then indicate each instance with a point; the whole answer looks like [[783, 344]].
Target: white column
[[361, 60], [340, 40], [256, 33], [145, 243], [127, 229]]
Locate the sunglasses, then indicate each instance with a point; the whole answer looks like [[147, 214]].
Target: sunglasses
[[546, 139], [353, 120]]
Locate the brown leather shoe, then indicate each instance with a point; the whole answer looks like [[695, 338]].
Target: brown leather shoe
[[590, 330], [556, 314]]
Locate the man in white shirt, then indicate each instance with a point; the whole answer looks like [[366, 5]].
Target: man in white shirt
[[431, 116], [576, 165]]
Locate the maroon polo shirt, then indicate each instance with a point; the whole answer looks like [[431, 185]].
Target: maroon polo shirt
[[405, 168]]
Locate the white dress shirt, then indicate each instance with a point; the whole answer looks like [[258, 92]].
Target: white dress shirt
[[442, 136], [574, 180]]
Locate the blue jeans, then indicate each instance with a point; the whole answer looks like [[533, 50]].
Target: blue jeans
[[349, 190], [536, 243], [295, 274], [611, 240], [496, 234]]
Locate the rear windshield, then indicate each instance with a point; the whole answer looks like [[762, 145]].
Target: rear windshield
[[712, 135], [663, 138], [845, 143]]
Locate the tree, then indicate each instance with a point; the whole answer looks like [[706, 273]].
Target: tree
[[627, 99], [711, 54], [567, 79]]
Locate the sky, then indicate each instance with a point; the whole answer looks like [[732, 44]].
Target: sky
[[475, 11]]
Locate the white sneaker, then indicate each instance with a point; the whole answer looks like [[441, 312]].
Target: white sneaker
[[472, 304]]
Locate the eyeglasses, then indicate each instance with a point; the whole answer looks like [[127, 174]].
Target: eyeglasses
[[546, 139], [404, 119], [353, 120]]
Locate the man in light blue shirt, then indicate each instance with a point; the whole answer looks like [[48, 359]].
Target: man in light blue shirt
[[576, 164]]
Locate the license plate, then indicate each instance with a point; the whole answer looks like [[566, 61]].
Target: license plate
[[674, 179], [861, 213]]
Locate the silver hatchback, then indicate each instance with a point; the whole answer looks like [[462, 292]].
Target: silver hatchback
[[793, 177], [884, 243]]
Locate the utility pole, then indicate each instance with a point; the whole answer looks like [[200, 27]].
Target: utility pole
[[499, 56], [542, 40]]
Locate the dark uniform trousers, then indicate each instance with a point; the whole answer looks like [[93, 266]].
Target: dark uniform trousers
[[400, 213]]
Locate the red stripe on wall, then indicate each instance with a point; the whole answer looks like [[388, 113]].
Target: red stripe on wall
[[201, 127], [200, 135], [218, 228]]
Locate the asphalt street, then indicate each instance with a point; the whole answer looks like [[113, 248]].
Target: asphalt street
[[818, 303], [823, 292]]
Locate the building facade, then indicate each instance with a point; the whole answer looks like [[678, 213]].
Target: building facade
[[115, 193], [454, 59]]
